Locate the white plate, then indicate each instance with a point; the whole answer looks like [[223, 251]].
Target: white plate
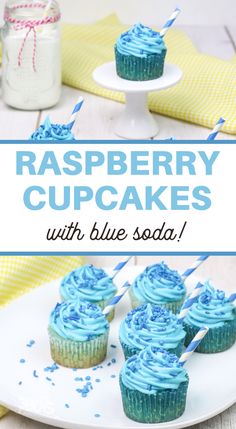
[[212, 377], [107, 77]]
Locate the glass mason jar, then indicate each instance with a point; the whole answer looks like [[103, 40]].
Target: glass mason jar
[[31, 61]]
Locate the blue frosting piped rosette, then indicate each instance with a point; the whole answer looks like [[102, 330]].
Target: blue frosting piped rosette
[[215, 310]]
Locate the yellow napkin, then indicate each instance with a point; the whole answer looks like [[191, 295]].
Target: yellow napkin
[[19, 274], [206, 92]]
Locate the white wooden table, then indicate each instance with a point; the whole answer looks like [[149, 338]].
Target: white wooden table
[[96, 122], [97, 115]]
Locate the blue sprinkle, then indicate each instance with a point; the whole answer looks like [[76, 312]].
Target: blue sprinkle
[[51, 368], [109, 364], [20, 383], [97, 380], [87, 377], [35, 374], [67, 406], [48, 378], [53, 384], [113, 360], [113, 346], [22, 360], [79, 379], [97, 415], [84, 395], [74, 369], [113, 376], [30, 343]]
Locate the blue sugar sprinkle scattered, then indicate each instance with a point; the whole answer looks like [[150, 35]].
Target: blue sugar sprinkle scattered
[[97, 415], [67, 406], [22, 360], [113, 346], [113, 360], [51, 368], [48, 378], [109, 364], [74, 369], [97, 380], [79, 379], [30, 343], [87, 377], [20, 383], [53, 384], [113, 376], [35, 374]]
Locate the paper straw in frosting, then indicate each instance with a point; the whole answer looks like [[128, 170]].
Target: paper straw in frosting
[[193, 345], [75, 112], [189, 302], [232, 297], [216, 129], [116, 298], [193, 267], [169, 23], [120, 266]]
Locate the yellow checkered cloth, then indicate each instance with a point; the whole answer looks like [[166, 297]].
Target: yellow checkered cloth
[[19, 274], [206, 92]]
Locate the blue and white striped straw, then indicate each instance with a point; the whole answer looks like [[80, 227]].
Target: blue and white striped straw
[[116, 298], [232, 297], [216, 129], [189, 302], [193, 345], [195, 265], [75, 112], [170, 21], [119, 266]]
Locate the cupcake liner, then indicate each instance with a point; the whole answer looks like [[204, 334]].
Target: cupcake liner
[[78, 354], [163, 406], [102, 304], [139, 69], [173, 306], [130, 351], [216, 340]]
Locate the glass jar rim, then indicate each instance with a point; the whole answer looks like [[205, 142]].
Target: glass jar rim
[[11, 16]]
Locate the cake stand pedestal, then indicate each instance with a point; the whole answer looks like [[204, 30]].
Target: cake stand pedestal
[[136, 122]]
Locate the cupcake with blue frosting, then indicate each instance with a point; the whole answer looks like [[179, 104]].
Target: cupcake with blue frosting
[[49, 131], [153, 386], [214, 310], [89, 284], [140, 54], [151, 325], [158, 285], [78, 333]]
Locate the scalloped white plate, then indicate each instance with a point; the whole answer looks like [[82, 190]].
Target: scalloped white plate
[[52, 397]]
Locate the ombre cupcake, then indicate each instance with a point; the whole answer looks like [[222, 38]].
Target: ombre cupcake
[[153, 386], [151, 325], [214, 310], [89, 284], [49, 131], [78, 333], [158, 285], [140, 54]]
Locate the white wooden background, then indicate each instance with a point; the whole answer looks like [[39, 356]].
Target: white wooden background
[[219, 39]]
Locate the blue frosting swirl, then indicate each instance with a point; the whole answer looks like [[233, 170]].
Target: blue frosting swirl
[[158, 284], [151, 325], [140, 41], [151, 370], [78, 321], [88, 283], [48, 131], [212, 308]]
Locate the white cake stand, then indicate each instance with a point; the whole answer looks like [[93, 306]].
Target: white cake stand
[[136, 122]]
